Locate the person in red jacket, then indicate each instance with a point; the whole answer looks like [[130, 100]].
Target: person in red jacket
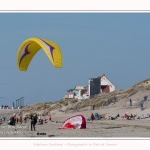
[[92, 116]]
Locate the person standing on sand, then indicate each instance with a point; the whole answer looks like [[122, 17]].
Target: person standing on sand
[[13, 120], [50, 117], [35, 119], [130, 102], [25, 119], [32, 117], [93, 107]]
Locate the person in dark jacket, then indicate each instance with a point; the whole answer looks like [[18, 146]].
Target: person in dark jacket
[[32, 117], [35, 119], [12, 120], [130, 102]]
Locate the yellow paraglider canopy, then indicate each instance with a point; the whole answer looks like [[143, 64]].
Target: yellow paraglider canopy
[[31, 46]]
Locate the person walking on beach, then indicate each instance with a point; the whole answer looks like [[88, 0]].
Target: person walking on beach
[[141, 106], [130, 102], [93, 107], [32, 117], [25, 119]]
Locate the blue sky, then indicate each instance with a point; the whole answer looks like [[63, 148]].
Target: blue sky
[[92, 44]]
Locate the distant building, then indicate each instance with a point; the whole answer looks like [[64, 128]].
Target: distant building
[[80, 87], [69, 95], [101, 84], [77, 93], [94, 86], [98, 85], [106, 85]]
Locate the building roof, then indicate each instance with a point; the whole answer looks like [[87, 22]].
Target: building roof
[[106, 77], [70, 93], [77, 87]]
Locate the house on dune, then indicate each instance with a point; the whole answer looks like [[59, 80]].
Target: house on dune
[[100, 84]]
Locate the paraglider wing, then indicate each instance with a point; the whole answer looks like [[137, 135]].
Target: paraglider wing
[[31, 46], [75, 122]]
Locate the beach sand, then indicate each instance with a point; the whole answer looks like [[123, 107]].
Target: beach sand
[[97, 128]]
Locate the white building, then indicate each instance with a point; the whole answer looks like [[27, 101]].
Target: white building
[[98, 85], [106, 85], [101, 84]]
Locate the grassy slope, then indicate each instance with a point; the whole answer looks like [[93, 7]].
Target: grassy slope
[[103, 99]]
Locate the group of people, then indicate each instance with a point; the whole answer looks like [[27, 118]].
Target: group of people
[[5, 107], [95, 116], [125, 116], [143, 117], [129, 117], [37, 119], [33, 117], [17, 119], [14, 119], [44, 119]]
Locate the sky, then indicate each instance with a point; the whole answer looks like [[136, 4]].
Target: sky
[[92, 44]]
